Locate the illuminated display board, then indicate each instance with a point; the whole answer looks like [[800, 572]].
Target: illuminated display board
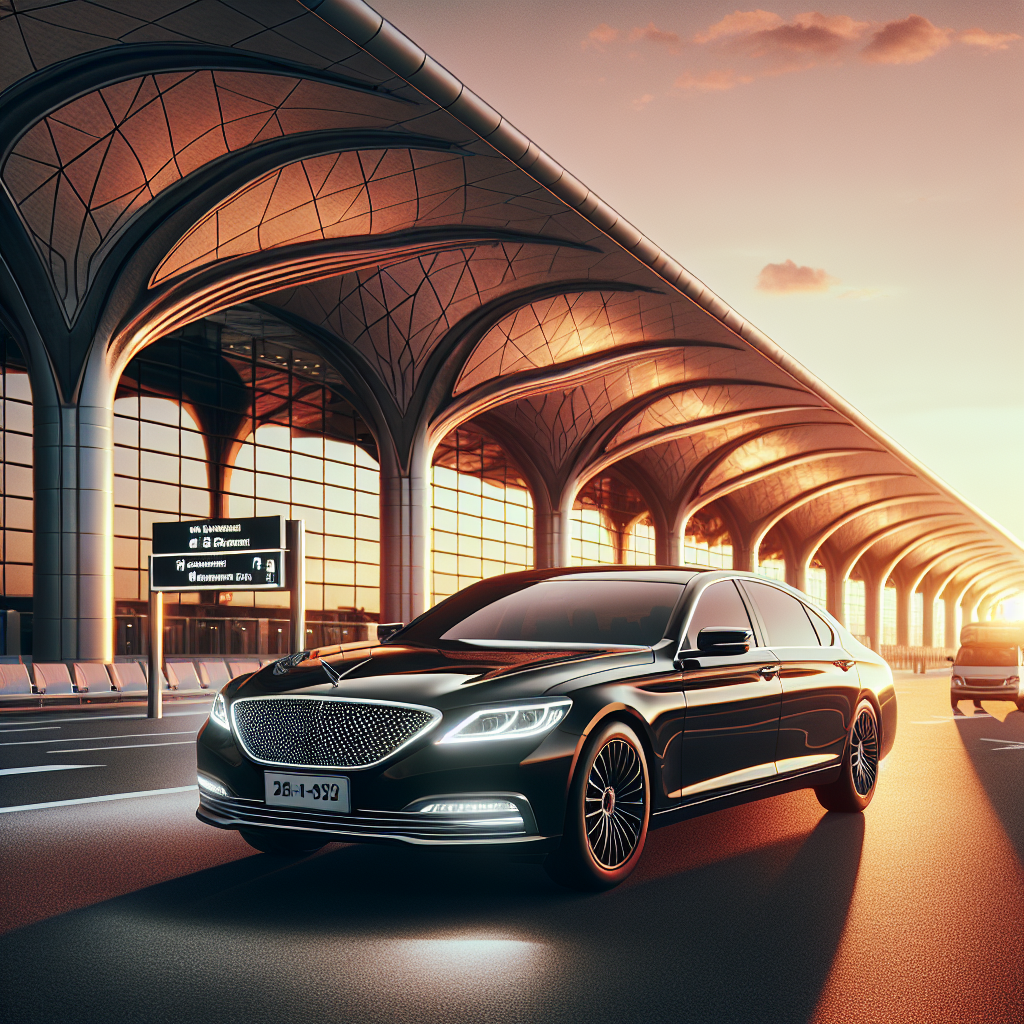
[[219, 554]]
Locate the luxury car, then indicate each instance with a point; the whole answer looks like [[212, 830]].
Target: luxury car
[[556, 714]]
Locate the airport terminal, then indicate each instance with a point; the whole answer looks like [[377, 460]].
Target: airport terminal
[[272, 259]]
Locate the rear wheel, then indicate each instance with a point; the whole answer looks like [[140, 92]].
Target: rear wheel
[[281, 843], [855, 787], [608, 813]]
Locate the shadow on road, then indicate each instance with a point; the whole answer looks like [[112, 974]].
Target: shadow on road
[[360, 933], [996, 750]]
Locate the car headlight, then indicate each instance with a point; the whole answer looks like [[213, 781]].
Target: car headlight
[[219, 711], [957, 681], [509, 722], [1012, 680]]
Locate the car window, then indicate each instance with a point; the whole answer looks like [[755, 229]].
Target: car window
[[557, 611], [825, 635], [784, 617], [986, 657], [719, 605]]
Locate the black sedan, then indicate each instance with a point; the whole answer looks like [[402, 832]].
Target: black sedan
[[557, 714]]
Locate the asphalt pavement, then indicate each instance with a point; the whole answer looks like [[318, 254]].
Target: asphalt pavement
[[118, 907]]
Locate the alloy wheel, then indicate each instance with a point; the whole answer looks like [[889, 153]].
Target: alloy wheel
[[864, 755], [614, 804]]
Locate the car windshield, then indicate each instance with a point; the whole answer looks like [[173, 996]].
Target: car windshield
[[549, 613], [985, 656]]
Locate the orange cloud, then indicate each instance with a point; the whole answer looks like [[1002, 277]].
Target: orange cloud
[[713, 81], [652, 34], [641, 101], [987, 40], [739, 23], [906, 42], [785, 45], [599, 37], [783, 278]]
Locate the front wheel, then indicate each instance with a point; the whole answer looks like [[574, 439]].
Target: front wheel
[[608, 812], [280, 842], [855, 787]]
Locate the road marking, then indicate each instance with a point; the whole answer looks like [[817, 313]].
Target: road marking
[[1013, 744], [97, 799], [117, 736], [47, 768], [123, 746], [33, 728], [79, 717]]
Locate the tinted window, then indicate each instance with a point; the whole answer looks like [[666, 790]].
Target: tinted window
[[784, 617], [986, 656], [553, 611], [719, 605], [825, 635]]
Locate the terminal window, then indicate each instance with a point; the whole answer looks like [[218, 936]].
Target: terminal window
[[16, 470]]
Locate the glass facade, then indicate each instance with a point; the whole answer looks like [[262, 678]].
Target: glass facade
[[855, 601], [771, 558], [482, 513], [707, 541], [888, 615], [817, 584], [16, 470], [917, 619], [640, 548], [939, 624]]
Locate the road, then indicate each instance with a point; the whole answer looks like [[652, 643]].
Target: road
[[131, 910]]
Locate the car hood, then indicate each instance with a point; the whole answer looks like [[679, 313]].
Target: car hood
[[439, 678]]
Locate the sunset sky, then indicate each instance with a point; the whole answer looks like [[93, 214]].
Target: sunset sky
[[848, 178]]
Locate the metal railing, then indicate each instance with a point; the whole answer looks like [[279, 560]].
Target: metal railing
[[917, 659]]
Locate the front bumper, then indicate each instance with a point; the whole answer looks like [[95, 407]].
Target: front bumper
[[995, 692], [403, 827]]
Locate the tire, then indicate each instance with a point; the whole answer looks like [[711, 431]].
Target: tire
[[607, 815], [281, 843], [855, 787]]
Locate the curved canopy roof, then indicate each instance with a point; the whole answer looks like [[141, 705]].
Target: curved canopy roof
[[167, 160]]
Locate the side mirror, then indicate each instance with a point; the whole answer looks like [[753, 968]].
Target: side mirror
[[949, 659], [724, 640], [387, 629]]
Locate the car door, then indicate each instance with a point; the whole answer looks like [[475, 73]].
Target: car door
[[819, 679], [732, 701]]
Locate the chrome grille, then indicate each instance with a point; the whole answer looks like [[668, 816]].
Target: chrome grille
[[983, 681], [317, 732]]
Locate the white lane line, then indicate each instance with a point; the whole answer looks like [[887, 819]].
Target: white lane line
[[116, 736], [123, 746], [1013, 744], [33, 728], [97, 799], [102, 718], [47, 768]]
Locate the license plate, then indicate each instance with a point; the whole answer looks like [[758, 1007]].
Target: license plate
[[313, 792]]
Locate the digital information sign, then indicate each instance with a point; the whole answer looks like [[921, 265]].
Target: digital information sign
[[262, 533], [219, 554]]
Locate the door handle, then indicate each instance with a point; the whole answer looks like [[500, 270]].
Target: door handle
[[844, 663], [768, 671]]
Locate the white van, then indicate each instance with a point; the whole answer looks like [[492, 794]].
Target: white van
[[988, 665]]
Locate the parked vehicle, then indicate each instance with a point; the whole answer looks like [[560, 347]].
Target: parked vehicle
[[988, 665], [559, 714]]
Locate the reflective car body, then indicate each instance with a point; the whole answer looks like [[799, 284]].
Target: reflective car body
[[716, 728]]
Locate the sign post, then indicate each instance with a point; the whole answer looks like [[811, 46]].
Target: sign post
[[224, 554], [155, 702]]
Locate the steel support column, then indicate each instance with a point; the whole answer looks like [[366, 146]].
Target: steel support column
[[73, 449]]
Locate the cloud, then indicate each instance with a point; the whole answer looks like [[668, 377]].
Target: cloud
[[599, 37], [782, 278], [739, 23], [712, 81], [987, 40], [652, 34], [906, 42], [641, 101]]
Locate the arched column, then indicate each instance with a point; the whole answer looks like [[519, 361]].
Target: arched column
[[952, 610], [405, 509], [874, 596], [928, 617], [73, 575]]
